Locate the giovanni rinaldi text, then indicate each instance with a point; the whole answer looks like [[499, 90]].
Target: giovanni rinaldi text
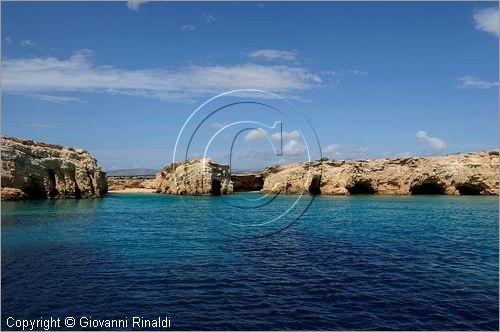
[[87, 322]]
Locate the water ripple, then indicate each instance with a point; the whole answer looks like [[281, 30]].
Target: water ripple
[[352, 263]]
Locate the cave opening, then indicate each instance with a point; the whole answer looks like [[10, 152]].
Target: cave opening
[[429, 188], [53, 192], [469, 189], [247, 182], [361, 188], [216, 187], [78, 192], [34, 188], [314, 187]]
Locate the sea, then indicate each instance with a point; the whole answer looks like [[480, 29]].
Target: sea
[[343, 263]]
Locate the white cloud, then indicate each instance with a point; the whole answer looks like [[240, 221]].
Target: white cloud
[[260, 134], [208, 18], [53, 99], [286, 135], [217, 125], [273, 55], [27, 42], [134, 4], [188, 27], [474, 82], [8, 40], [78, 73], [294, 148], [486, 19], [255, 135], [435, 143]]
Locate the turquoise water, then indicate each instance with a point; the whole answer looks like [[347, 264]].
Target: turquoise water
[[364, 262]]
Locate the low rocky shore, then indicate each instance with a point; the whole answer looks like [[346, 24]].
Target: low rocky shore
[[39, 170], [131, 183]]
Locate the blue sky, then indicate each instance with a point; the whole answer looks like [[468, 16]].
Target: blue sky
[[374, 79]]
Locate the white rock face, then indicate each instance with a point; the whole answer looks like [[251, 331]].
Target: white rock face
[[454, 174], [39, 170], [194, 177]]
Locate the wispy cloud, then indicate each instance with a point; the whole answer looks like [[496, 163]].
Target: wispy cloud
[[269, 54], [135, 4], [218, 125], [331, 149], [208, 18], [48, 75], [471, 82], [8, 39], [345, 72], [345, 151], [53, 99], [434, 143], [355, 72], [486, 20], [188, 27], [27, 42]]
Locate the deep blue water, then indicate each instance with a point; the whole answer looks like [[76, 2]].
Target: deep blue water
[[367, 262]]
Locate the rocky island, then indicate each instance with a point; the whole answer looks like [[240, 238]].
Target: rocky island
[[33, 169], [474, 173], [39, 170], [194, 177]]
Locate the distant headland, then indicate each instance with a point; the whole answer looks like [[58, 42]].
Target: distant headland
[[33, 170]]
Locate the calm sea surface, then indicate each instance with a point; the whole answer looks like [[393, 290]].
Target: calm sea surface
[[367, 262]]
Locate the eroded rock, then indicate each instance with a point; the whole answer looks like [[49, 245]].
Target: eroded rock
[[194, 177], [13, 194], [42, 170], [454, 174]]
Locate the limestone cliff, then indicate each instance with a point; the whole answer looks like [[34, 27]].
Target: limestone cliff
[[454, 174], [194, 177], [39, 170]]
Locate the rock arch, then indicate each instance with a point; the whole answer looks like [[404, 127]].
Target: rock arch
[[247, 182], [428, 188], [361, 188], [216, 187], [51, 183], [34, 188], [315, 185], [470, 189]]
